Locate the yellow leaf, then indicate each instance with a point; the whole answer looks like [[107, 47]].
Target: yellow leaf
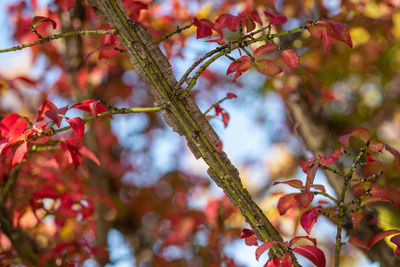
[[205, 10], [359, 36], [374, 10], [396, 25]]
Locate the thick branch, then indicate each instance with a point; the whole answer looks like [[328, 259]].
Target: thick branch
[[183, 115]]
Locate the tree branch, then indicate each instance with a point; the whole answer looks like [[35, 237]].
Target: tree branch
[[184, 116], [57, 36], [315, 136]]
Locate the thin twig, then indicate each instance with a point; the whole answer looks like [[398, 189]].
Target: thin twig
[[341, 203], [114, 111], [214, 105], [178, 30], [325, 195], [57, 36], [226, 49]]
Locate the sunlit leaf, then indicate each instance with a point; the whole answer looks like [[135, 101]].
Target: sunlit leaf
[[309, 218], [312, 253], [290, 58], [267, 67]]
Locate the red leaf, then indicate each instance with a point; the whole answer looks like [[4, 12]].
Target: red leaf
[[66, 4], [375, 146], [3, 145], [264, 49], [252, 16], [20, 153], [133, 8], [84, 105], [46, 105], [377, 192], [56, 115], [357, 242], [394, 152], [274, 20], [261, 249], [77, 125], [251, 241], [311, 174], [219, 147], [267, 67], [239, 66], [286, 202], [12, 126], [293, 183], [290, 58], [284, 261], [371, 159], [305, 165], [361, 134], [396, 240], [204, 27], [381, 236], [230, 95], [84, 151], [357, 217], [327, 160], [225, 118], [295, 239], [218, 109], [226, 21], [101, 55], [250, 25], [319, 187], [314, 254], [249, 237], [219, 41], [91, 106], [39, 19], [246, 233], [233, 67], [339, 32], [345, 139], [327, 30], [309, 218]]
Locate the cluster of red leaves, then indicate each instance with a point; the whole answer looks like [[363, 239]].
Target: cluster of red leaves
[[371, 192], [329, 31], [326, 30], [310, 252], [246, 19], [14, 131], [18, 136], [221, 112], [264, 66]]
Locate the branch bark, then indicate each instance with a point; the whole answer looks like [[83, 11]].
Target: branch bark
[[184, 116]]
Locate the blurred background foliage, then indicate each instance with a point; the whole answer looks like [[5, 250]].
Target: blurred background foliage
[[168, 213]]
